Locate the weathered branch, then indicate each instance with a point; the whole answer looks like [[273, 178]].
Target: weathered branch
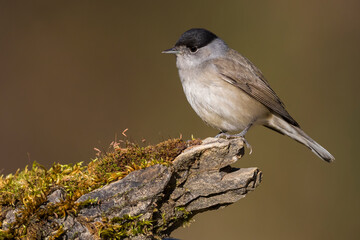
[[152, 202]]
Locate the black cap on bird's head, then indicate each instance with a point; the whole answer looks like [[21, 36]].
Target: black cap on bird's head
[[194, 38]]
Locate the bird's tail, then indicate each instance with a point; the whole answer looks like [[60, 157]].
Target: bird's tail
[[280, 125]]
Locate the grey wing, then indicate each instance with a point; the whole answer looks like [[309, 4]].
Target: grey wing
[[240, 72]]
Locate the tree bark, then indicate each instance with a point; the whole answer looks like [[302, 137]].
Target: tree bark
[[152, 202]]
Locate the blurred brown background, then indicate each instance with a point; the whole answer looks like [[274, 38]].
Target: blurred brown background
[[75, 73]]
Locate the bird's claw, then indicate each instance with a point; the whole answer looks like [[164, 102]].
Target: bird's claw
[[223, 135], [229, 136], [248, 146]]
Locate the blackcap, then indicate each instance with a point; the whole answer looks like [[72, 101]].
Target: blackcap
[[229, 93]]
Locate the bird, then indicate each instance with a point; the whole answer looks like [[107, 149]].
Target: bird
[[229, 93]]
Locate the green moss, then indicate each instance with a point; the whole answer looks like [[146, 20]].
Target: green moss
[[185, 214], [28, 189], [5, 235], [57, 235], [88, 202], [127, 226]]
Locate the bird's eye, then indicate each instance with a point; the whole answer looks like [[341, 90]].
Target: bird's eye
[[193, 49]]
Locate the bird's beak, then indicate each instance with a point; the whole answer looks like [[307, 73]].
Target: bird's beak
[[173, 50]]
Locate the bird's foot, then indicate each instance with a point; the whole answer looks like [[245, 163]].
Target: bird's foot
[[239, 135], [223, 135], [246, 142]]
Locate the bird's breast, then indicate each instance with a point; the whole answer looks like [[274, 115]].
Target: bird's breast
[[220, 104]]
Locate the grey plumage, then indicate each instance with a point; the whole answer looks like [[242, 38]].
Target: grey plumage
[[239, 71], [229, 93]]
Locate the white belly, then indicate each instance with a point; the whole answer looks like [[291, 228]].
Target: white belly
[[220, 104]]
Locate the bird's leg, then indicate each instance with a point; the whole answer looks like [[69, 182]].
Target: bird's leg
[[243, 132], [223, 135], [242, 136], [239, 135]]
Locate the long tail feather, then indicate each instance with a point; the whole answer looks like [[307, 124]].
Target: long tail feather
[[280, 125]]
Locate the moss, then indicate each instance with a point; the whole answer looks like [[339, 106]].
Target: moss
[[28, 189], [58, 234], [5, 235], [185, 214], [88, 202], [127, 226], [116, 165]]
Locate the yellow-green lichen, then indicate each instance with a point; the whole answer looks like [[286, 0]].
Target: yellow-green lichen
[[28, 189]]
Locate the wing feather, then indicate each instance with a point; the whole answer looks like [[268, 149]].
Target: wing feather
[[240, 72]]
